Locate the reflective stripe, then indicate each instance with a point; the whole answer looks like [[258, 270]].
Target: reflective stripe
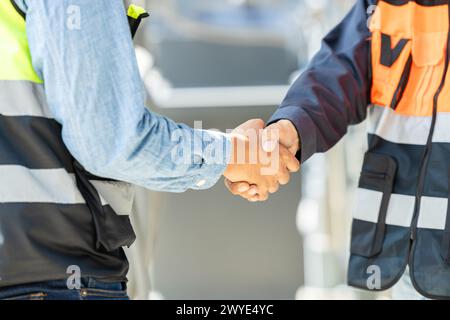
[[398, 128], [441, 131], [367, 205], [400, 210], [21, 185], [432, 215], [23, 98]]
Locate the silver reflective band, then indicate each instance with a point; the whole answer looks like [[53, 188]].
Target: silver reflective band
[[20, 184], [432, 215], [24, 98], [398, 128]]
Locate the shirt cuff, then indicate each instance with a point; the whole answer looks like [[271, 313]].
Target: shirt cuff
[[305, 128], [216, 157]]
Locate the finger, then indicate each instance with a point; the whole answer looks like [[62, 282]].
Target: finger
[[289, 136], [283, 176], [270, 138], [253, 190], [290, 161], [263, 196], [274, 188], [251, 193], [263, 189], [237, 188], [272, 185], [259, 197]]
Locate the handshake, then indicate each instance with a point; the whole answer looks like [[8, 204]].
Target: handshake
[[262, 158]]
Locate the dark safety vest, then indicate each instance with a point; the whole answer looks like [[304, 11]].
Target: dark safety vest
[[402, 216], [53, 213]]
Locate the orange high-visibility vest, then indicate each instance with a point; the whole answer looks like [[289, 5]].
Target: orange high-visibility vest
[[402, 214]]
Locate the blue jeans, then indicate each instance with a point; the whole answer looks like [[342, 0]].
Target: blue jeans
[[90, 289]]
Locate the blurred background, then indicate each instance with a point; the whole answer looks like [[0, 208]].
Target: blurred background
[[223, 62]]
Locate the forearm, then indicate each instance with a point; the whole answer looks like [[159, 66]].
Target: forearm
[[333, 91], [94, 91]]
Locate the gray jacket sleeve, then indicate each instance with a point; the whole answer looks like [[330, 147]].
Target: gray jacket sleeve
[[334, 90]]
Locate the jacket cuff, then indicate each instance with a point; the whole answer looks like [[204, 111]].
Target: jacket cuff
[[216, 157], [305, 128]]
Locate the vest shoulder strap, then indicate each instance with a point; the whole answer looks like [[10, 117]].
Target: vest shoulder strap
[[19, 11]]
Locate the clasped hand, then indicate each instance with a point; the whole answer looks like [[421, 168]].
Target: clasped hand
[[262, 158]]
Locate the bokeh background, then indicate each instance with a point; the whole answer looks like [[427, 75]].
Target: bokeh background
[[223, 62]]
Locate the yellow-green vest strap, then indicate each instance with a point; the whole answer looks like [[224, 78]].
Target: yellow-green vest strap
[[135, 11], [23, 14], [135, 16], [14, 46]]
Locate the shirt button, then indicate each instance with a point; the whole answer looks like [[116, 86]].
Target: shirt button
[[201, 183]]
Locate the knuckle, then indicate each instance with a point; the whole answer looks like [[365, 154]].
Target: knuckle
[[259, 122], [234, 190], [245, 196]]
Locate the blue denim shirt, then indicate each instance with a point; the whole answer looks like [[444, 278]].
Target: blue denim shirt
[[95, 92]]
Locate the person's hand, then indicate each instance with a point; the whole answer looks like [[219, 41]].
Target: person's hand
[[283, 133], [254, 171], [287, 136]]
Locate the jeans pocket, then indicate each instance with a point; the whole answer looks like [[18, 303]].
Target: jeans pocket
[[102, 294], [29, 296], [378, 175]]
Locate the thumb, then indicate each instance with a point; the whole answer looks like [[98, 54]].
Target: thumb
[[281, 132], [271, 138]]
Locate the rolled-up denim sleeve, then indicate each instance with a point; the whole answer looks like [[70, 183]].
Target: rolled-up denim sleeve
[[83, 51], [333, 92]]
